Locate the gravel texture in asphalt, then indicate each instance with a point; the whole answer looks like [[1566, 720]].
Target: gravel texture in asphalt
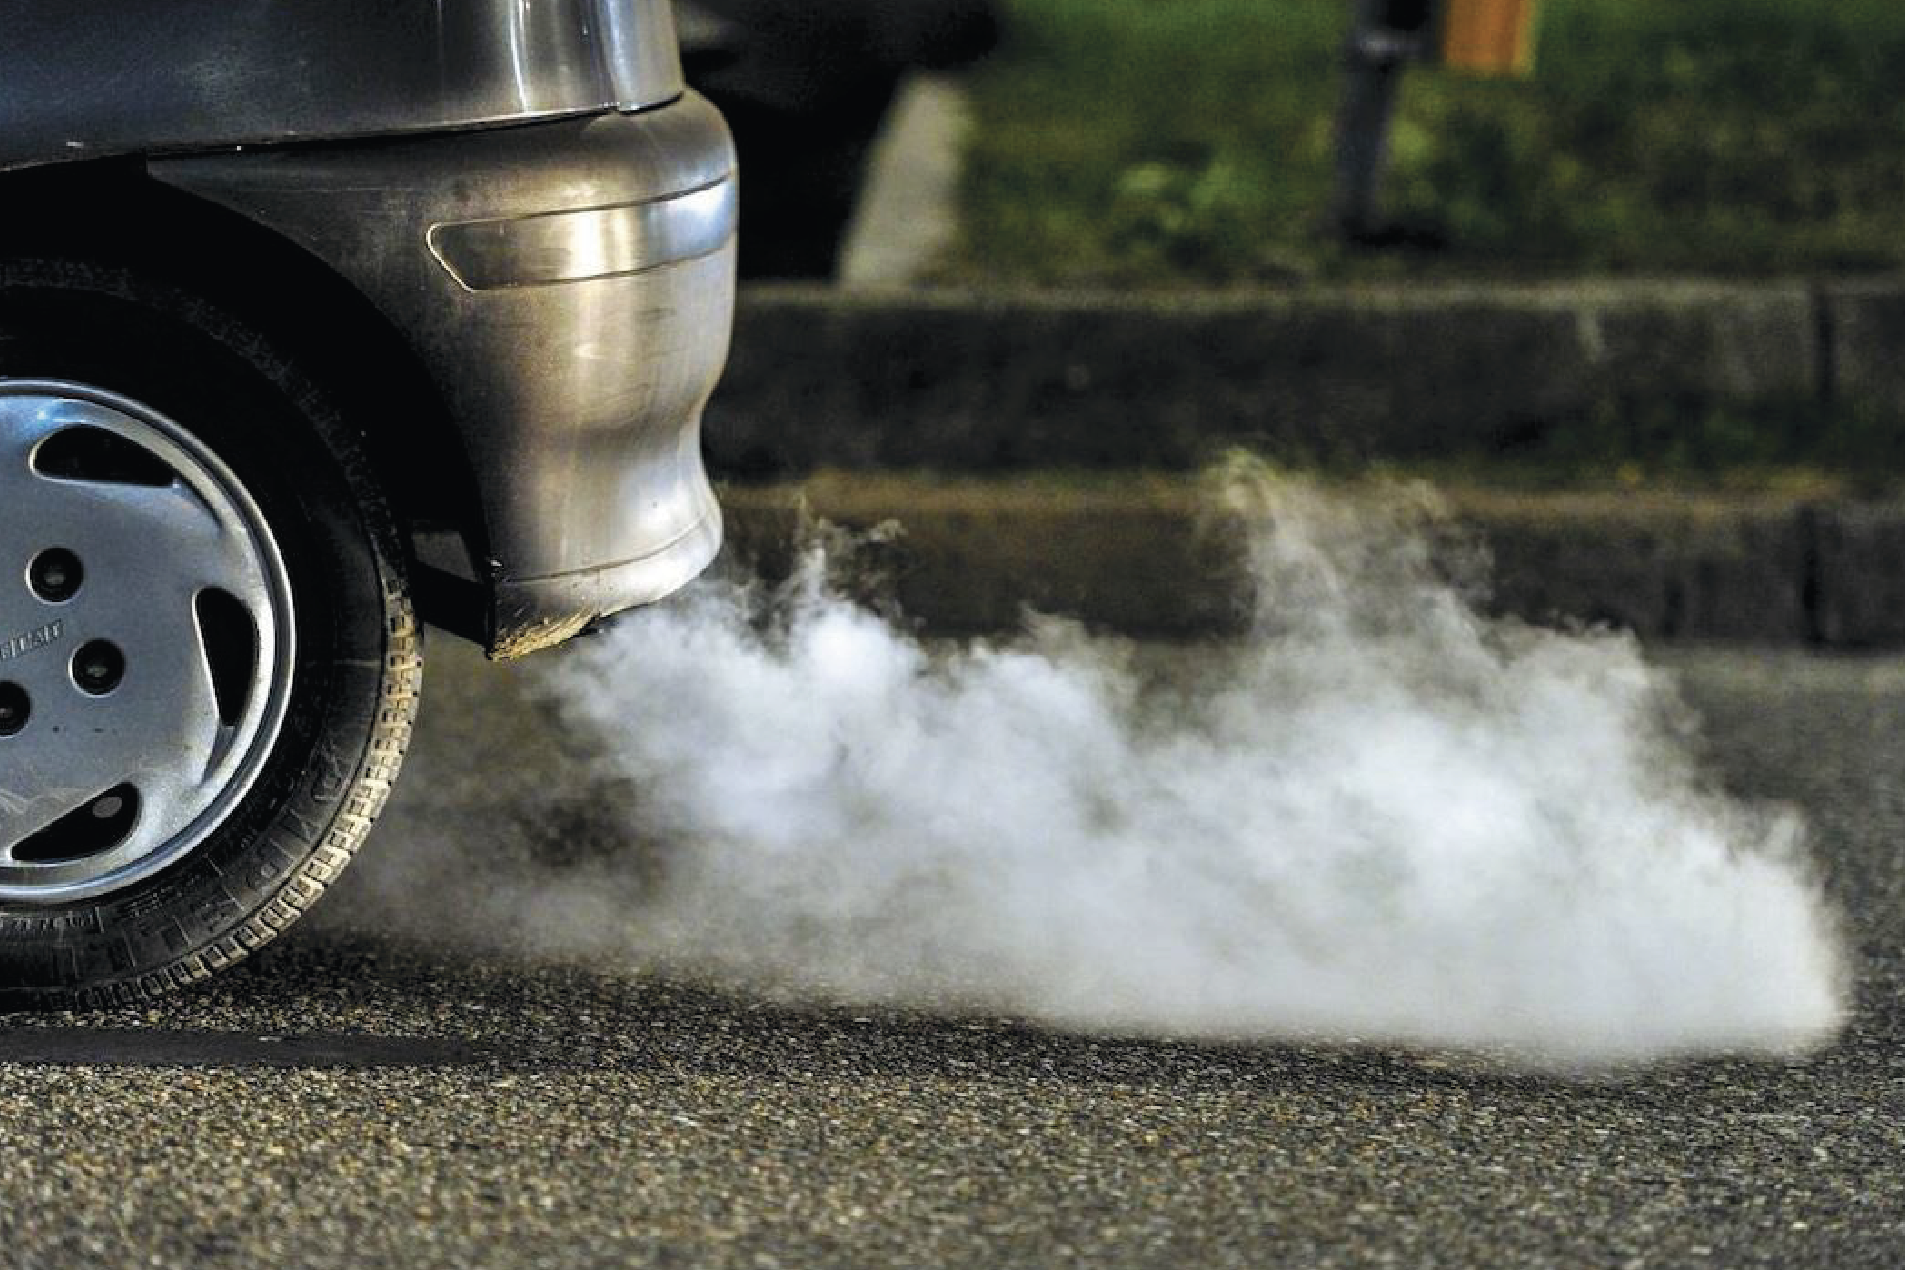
[[362, 1096]]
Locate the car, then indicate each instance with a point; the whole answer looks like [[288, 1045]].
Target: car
[[319, 320]]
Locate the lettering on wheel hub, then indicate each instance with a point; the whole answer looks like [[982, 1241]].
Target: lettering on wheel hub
[[28, 641]]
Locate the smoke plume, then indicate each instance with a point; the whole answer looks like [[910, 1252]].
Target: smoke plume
[[1383, 817]]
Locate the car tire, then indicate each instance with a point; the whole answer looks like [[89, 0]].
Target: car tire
[[158, 450]]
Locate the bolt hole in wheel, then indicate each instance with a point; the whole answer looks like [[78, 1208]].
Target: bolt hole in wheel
[[98, 667], [157, 577], [55, 575]]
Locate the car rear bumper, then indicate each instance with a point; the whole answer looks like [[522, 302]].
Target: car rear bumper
[[569, 288]]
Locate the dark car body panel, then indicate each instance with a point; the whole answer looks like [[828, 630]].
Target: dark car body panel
[[93, 78]]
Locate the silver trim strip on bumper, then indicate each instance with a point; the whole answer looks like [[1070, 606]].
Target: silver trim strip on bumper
[[600, 242]]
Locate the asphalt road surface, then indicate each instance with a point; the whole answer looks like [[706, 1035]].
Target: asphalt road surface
[[357, 1097]]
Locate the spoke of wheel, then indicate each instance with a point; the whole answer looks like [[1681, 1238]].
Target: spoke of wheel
[[157, 729]]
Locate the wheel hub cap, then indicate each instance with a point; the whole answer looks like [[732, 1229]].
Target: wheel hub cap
[[145, 641]]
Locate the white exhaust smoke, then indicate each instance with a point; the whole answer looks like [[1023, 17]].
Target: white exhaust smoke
[[1386, 819]]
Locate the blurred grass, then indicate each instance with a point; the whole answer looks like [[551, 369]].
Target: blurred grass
[[1188, 142], [1800, 448]]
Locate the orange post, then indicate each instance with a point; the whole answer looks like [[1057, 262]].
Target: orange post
[[1489, 37]]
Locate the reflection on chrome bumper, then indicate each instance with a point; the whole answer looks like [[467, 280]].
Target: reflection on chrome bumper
[[601, 242]]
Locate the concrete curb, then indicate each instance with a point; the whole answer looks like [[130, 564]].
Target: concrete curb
[[980, 382], [1147, 557], [907, 211]]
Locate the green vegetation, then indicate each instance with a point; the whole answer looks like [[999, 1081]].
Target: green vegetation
[[1669, 443], [1188, 142], [1804, 451]]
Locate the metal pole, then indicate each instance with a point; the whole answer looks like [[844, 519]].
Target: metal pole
[[1385, 36]]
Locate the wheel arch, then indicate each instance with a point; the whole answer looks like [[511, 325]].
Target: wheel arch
[[113, 212]]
